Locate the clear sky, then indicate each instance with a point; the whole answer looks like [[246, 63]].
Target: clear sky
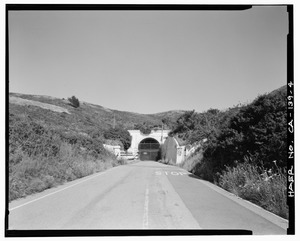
[[149, 61]]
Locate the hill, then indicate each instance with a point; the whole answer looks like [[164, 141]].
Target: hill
[[57, 113], [279, 91], [51, 141]]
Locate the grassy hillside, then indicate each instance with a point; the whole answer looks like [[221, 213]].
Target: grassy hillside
[[51, 142], [87, 116]]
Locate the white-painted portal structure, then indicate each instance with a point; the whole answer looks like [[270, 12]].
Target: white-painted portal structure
[[138, 136]]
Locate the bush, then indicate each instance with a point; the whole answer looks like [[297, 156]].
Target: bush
[[253, 183], [40, 158], [36, 173], [119, 134], [144, 128], [74, 101], [258, 131], [191, 162]]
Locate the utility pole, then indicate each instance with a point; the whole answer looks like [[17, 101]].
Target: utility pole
[[114, 123], [162, 131]]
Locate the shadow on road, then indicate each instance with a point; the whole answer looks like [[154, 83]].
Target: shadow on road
[[194, 176]]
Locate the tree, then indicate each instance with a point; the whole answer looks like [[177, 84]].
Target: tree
[[144, 128], [185, 124], [74, 101], [168, 123], [119, 134], [258, 131]]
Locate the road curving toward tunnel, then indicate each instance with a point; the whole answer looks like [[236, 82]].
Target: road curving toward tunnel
[[142, 195]]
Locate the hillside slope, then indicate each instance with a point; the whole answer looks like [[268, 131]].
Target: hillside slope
[[51, 142], [87, 118]]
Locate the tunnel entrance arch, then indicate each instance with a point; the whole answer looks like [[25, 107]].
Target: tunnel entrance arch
[[149, 149]]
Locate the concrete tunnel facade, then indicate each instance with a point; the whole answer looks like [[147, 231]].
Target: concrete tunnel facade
[[147, 146]]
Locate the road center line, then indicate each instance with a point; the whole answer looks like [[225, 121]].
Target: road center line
[[146, 209], [47, 195]]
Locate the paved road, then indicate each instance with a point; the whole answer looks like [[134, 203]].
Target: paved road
[[141, 195]]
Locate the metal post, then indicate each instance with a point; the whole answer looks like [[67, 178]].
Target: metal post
[[162, 131]]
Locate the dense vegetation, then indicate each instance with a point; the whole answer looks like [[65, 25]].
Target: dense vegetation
[[40, 158], [145, 128], [74, 101], [119, 134], [246, 149]]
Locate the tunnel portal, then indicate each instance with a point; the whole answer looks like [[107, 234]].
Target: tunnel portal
[[149, 149]]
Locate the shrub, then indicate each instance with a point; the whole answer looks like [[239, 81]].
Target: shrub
[[37, 173], [17, 187], [40, 158], [48, 180], [144, 128], [253, 183], [32, 138], [257, 130], [82, 168], [119, 134], [74, 101], [191, 162]]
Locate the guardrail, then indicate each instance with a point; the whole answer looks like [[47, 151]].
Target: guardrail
[[127, 156]]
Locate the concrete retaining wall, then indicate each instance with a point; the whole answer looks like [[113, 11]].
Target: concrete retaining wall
[[172, 152]]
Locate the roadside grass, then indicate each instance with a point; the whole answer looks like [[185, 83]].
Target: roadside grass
[[41, 158], [265, 188], [191, 162], [34, 174], [197, 166]]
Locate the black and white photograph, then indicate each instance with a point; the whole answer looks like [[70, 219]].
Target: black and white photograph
[[148, 119]]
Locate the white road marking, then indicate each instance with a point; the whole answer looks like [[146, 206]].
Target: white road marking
[[146, 209], [11, 209], [158, 173]]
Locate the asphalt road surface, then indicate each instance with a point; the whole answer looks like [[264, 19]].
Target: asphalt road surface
[[141, 195]]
